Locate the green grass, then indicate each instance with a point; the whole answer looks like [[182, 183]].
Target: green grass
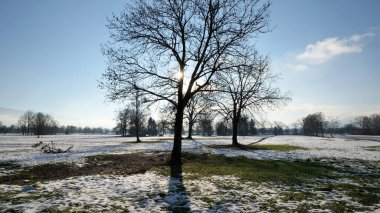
[[364, 188], [372, 148], [363, 194], [204, 165], [339, 207], [9, 166], [253, 147], [293, 195], [124, 164], [204, 139]]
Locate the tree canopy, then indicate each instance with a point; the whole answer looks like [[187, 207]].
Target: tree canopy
[[171, 49]]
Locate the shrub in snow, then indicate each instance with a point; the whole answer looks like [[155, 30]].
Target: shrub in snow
[[50, 147]]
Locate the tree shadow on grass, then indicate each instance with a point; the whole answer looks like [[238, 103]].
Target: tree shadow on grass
[[177, 198]]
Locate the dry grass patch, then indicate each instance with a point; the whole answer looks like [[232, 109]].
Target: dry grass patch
[[125, 164]]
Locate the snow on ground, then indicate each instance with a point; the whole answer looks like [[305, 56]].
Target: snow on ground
[[18, 148], [328, 147], [156, 193], [316, 147]]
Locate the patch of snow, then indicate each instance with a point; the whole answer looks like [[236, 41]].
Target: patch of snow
[[327, 147], [156, 193]]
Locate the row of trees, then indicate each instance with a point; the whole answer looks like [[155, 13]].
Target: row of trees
[[366, 125], [70, 129], [4, 129], [202, 124], [31, 123], [37, 124], [208, 123], [316, 124]]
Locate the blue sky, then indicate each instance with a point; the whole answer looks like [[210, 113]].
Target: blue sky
[[326, 51]]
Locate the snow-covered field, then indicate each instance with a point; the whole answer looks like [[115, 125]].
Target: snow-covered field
[[150, 192], [19, 148], [156, 193], [328, 147]]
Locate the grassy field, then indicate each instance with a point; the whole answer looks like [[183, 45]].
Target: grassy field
[[303, 182], [144, 181]]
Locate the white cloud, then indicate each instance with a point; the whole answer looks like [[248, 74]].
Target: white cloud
[[297, 67], [329, 48]]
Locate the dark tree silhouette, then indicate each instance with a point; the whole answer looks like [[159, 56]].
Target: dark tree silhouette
[[195, 107], [123, 120], [3, 128], [137, 114], [364, 124], [252, 128], [313, 124], [152, 127], [243, 128], [43, 124], [246, 86], [368, 125], [375, 124], [171, 49], [205, 124], [221, 128], [25, 122]]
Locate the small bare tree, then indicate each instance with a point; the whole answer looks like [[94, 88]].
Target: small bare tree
[[138, 113], [123, 120], [246, 86], [195, 107], [171, 49], [205, 124], [25, 122]]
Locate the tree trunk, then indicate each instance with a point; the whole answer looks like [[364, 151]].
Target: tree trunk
[[322, 130], [137, 126], [175, 159], [235, 122], [189, 134], [137, 116]]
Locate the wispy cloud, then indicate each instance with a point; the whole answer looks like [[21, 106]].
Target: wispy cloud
[[297, 67], [325, 50]]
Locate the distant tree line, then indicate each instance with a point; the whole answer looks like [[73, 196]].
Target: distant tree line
[[365, 125], [37, 124], [200, 122], [246, 127], [31, 123], [5, 129], [317, 125], [82, 130]]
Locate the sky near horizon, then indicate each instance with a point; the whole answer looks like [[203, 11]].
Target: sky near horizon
[[327, 53]]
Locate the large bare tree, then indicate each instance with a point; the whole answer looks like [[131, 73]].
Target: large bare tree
[[314, 124], [171, 49], [247, 86], [43, 124]]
